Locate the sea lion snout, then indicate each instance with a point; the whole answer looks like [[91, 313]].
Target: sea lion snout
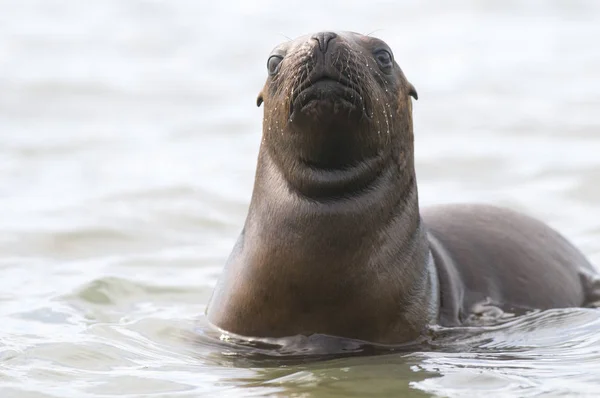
[[323, 38], [331, 82]]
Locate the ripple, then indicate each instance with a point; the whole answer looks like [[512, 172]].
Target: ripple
[[531, 355], [114, 291], [127, 148]]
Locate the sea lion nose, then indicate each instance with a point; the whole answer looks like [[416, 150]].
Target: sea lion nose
[[323, 38]]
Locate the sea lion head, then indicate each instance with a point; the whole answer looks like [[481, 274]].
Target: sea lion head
[[335, 101]]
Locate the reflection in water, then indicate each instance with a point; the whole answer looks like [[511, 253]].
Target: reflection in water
[[128, 140]]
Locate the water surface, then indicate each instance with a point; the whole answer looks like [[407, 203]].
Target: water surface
[[128, 141]]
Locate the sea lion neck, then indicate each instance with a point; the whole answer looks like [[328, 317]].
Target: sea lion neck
[[312, 266], [336, 269]]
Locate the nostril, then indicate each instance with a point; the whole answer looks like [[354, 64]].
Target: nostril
[[323, 38]]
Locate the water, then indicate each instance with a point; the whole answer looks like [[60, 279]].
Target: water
[[128, 140]]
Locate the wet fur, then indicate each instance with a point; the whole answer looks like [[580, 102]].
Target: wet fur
[[334, 241]]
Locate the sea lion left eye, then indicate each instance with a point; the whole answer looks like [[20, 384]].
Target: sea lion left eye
[[273, 64], [384, 58]]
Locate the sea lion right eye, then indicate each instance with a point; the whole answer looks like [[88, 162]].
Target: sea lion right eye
[[273, 64], [384, 59]]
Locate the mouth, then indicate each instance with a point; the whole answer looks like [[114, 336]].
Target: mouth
[[343, 92]]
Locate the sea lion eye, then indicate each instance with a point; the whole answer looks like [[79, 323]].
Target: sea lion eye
[[384, 59], [273, 64]]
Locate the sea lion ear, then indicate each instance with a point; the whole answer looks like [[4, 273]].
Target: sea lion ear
[[259, 99], [412, 91]]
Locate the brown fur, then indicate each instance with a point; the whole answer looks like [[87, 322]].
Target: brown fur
[[334, 242]]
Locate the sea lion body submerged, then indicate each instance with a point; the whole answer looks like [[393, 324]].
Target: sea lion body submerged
[[334, 241]]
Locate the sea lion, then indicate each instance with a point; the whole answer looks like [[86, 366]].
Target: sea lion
[[334, 242]]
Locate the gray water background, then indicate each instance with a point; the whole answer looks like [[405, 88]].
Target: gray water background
[[128, 141]]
